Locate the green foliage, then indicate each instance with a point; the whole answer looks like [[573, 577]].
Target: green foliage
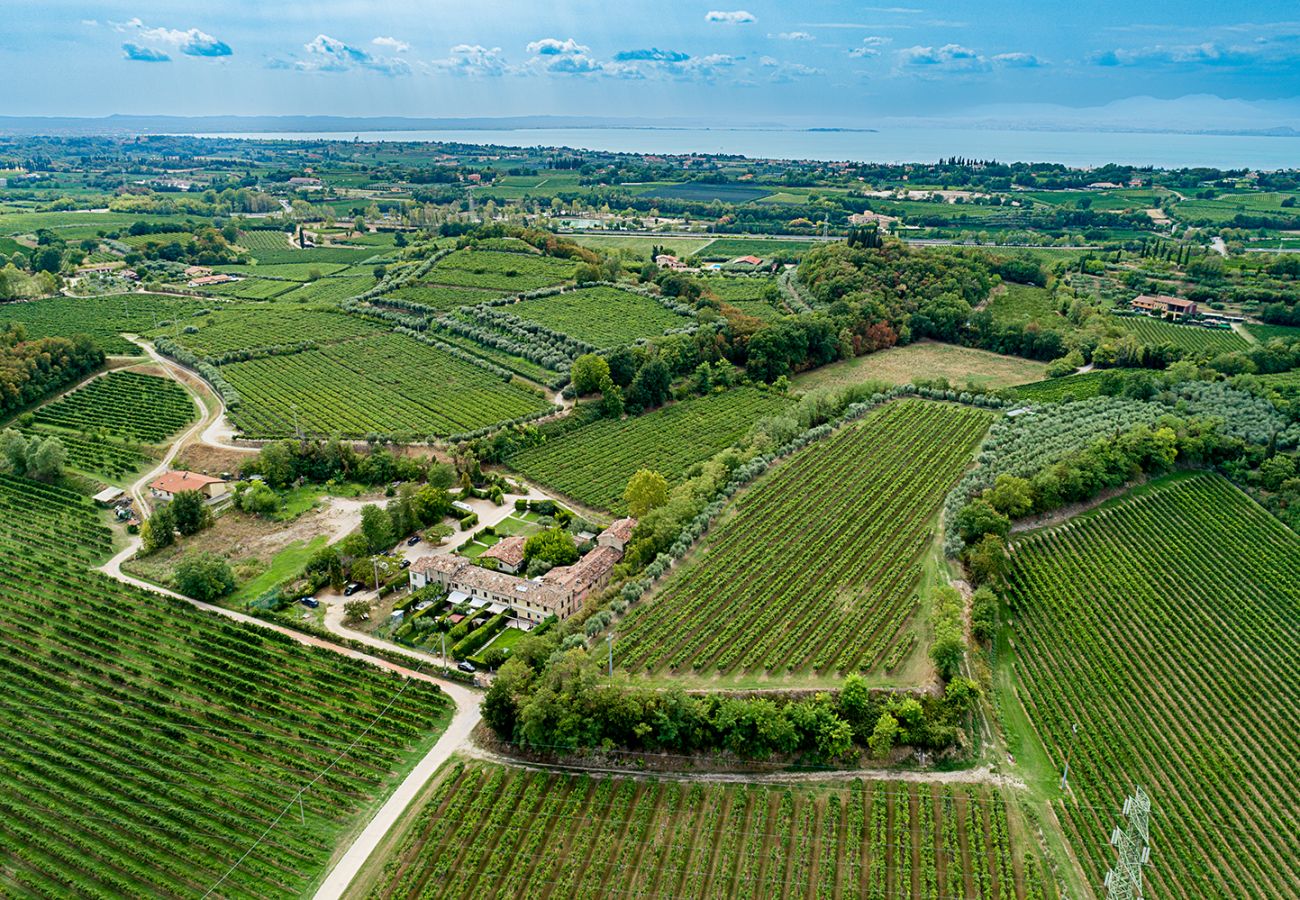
[[376, 528], [588, 373], [948, 648], [159, 530], [204, 576], [553, 546], [136, 407], [646, 490], [883, 736]]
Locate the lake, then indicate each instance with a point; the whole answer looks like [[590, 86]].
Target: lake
[[891, 144]]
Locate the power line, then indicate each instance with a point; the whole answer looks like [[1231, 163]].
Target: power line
[[1124, 880]]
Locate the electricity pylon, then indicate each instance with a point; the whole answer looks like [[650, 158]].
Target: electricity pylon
[[1124, 880]]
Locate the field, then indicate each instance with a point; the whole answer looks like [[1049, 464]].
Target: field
[[288, 271], [1168, 627], [1020, 304], [1191, 338], [237, 328], [135, 407], [1265, 333], [386, 384], [604, 317], [144, 746], [730, 248], [1054, 390], [251, 288], [105, 319], [640, 245], [808, 573], [926, 360], [96, 455], [706, 193], [537, 834], [441, 298], [334, 289], [592, 464], [510, 272]]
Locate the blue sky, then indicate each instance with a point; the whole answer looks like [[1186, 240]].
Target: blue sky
[[1192, 64]]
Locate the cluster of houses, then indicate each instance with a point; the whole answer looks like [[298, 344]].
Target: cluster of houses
[[560, 592], [201, 276]]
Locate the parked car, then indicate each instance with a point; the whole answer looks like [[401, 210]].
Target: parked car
[[406, 564], [309, 601], [352, 588], [413, 540], [467, 666]]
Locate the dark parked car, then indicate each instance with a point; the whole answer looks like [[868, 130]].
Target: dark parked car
[[467, 667], [310, 601], [413, 540], [352, 588], [406, 564]]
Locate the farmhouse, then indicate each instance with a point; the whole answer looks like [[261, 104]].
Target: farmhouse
[[1161, 304], [667, 261], [747, 261], [169, 484], [508, 552], [617, 534], [559, 592], [204, 280]]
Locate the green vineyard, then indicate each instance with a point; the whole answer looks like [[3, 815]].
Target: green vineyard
[[494, 832], [1191, 338], [105, 319], [1168, 628], [135, 407], [818, 565], [145, 746], [96, 454], [510, 272], [245, 328], [603, 317], [592, 464], [386, 384]]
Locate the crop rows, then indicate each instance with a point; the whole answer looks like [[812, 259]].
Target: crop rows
[[334, 289], [245, 328], [251, 288], [603, 317], [1168, 628], [1192, 338], [386, 384], [105, 319], [490, 831], [145, 746], [143, 408], [264, 239], [511, 272], [818, 565], [441, 298], [592, 464], [97, 455]]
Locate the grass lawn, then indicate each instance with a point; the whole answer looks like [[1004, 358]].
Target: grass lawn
[[901, 365], [284, 565]]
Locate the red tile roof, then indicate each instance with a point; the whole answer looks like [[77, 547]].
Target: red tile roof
[[177, 481]]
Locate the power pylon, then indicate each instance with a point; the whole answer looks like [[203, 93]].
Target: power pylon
[[1124, 880]]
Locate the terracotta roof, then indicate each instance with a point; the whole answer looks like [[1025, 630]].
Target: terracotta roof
[[1162, 300], [585, 572], [622, 529], [507, 550], [174, 482], [748, 260]]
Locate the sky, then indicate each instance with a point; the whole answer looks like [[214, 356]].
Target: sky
[[1188, 65]]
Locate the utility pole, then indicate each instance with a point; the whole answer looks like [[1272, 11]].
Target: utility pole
[[375, 561], [1124, 880], [1065, 777], [444, 649]]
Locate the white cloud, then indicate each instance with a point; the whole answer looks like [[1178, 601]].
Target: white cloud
[[734, 17], [556, 47], [1018, 60], [189, 41], [948, 58], [328, 54], [787, 71], [392, 43], [473, 61], [870, 46], [792, 36]]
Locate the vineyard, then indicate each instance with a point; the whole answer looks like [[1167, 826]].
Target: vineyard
[[96, 454], [251, 288], [105, 319], [510, 272], [1190, 338], [385, 384], [819, 565], [592, 464], [490, 831], [144, 746], [252, 328], [135, 407], [1072, 387], [1168, 627], [444, 299], [603, 317]]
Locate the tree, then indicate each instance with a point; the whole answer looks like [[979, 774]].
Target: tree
[[376, 528], [988, 560], [159, 530], [651, 385], [45, 458], [948, 649], [646, 490], [326, 563], [554, 546], [190, 512], [1010, 496], [983, 615], [979, 518], [588, 372], [204, 576], [275, 463], [13, 447], [258, 499], [356, 610], [611, 399], [883, 736]]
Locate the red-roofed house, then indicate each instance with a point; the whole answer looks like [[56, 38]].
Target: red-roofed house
[[747, 261], [1160, 304], [169, 484], [508, 552], [617, 534]]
